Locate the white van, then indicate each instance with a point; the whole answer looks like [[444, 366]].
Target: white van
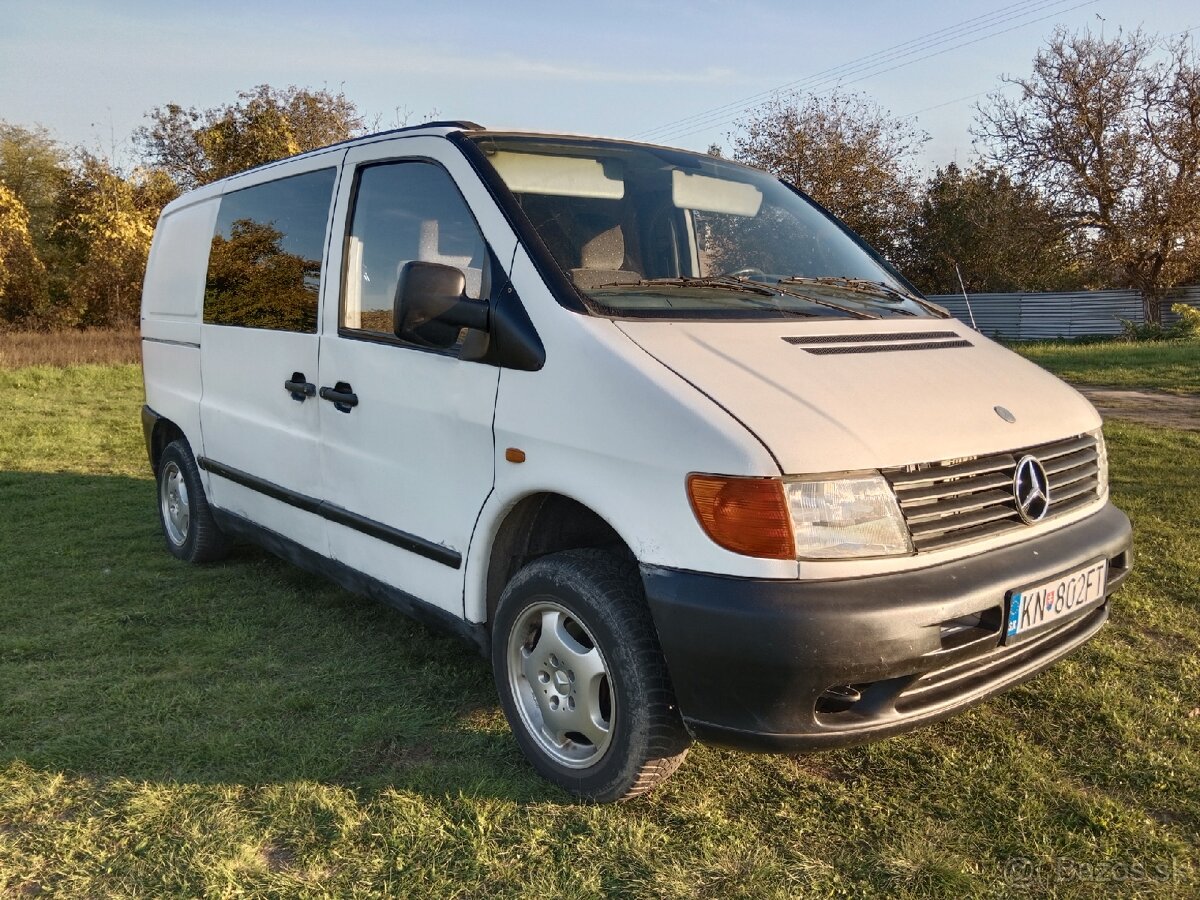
[[650, 428]]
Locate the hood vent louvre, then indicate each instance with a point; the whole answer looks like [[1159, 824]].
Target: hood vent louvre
[[825, 344]]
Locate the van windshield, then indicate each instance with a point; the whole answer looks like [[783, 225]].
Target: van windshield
[[654, 232]]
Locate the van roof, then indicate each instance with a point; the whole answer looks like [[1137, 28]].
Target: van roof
[[439, 128]]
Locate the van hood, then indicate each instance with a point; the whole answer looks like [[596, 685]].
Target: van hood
[[832, 396]]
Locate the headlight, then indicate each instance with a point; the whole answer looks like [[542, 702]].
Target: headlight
[[846, 517], [831, 518], [1101, 462]]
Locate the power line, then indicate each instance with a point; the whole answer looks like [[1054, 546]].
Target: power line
[[925, 109], [722, 115], [921, 42], [872, 72]]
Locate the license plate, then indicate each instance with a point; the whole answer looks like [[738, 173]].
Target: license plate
[[1059, 598]]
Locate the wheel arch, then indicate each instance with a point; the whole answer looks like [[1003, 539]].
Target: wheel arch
[[537, 525], [159, 432]]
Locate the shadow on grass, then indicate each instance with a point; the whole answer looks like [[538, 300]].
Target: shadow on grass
[[118, 661]]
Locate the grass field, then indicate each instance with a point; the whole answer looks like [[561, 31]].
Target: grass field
[[1164, 365], [242, 729]]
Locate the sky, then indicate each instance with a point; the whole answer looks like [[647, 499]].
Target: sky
[[672, 73]]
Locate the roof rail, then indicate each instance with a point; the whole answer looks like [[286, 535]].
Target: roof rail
[[464, 124], [449, 123]]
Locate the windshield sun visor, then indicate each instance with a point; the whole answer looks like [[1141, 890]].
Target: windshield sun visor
[[557, 176], [717, 195]]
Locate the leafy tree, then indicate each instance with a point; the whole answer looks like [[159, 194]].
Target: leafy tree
[[109, 222], [1002, 236], [23, 295], [1109, 131], [845, 152], [198, 146], [34, 167]]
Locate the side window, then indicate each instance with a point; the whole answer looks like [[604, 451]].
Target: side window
[[264, 268], [405, 211]]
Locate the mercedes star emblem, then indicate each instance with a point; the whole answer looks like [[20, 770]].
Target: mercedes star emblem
[[1031, 490]]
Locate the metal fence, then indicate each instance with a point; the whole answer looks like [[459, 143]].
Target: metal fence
[[1028, 317]]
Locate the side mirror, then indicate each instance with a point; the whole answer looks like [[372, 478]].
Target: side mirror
[[431, 306]]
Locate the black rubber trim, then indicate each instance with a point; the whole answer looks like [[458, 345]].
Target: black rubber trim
[[326, 510], [193, 344], [353, 580], [898, 336], [750, 659], [149, 419]]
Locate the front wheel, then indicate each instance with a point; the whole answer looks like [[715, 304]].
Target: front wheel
[[582, 679]]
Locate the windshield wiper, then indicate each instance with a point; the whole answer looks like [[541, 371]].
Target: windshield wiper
[[750, 286], [724, 282], [741, 285], [880, 289], [857, 312]]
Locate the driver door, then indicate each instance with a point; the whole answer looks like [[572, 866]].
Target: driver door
[[407, 451]]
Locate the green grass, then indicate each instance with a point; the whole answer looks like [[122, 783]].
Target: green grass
[[1164, 365], [242, 729]]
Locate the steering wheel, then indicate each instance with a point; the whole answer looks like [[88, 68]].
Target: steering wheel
[[747, 272]]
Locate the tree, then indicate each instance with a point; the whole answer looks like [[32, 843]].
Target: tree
[[845, 152], [1002, 236], [23, 295], [109, 226], [198, 146], [34, 167], [1109, 131]]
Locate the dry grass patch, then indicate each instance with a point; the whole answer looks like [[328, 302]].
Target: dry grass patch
[[89, 346]]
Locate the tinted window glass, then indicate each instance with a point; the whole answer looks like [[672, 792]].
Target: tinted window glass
[[403, 212], [264, 269]]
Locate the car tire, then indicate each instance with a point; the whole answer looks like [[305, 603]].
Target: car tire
[[187, 522], [582, 679]]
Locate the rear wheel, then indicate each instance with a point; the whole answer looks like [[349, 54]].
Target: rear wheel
[[582, 679], [187, 521]]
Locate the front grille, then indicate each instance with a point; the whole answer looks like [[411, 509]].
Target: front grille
[[962, 500]]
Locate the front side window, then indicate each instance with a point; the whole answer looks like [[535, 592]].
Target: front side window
[[649, 231], [405, 212], [264, 267]]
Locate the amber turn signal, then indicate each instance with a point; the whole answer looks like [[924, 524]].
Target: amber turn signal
[[746, 515]]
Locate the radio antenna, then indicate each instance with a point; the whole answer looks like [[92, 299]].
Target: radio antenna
[[966, 299]]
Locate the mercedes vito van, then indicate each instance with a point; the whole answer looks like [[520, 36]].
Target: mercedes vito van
[[653, 430]]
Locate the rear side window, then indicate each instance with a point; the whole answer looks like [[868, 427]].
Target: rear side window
[[264, 268]]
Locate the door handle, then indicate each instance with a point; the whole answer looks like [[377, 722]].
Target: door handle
[[341, 395], [299, 387]]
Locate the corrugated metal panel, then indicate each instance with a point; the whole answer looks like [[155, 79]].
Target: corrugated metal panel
[[1026, 317], [996, 315]]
